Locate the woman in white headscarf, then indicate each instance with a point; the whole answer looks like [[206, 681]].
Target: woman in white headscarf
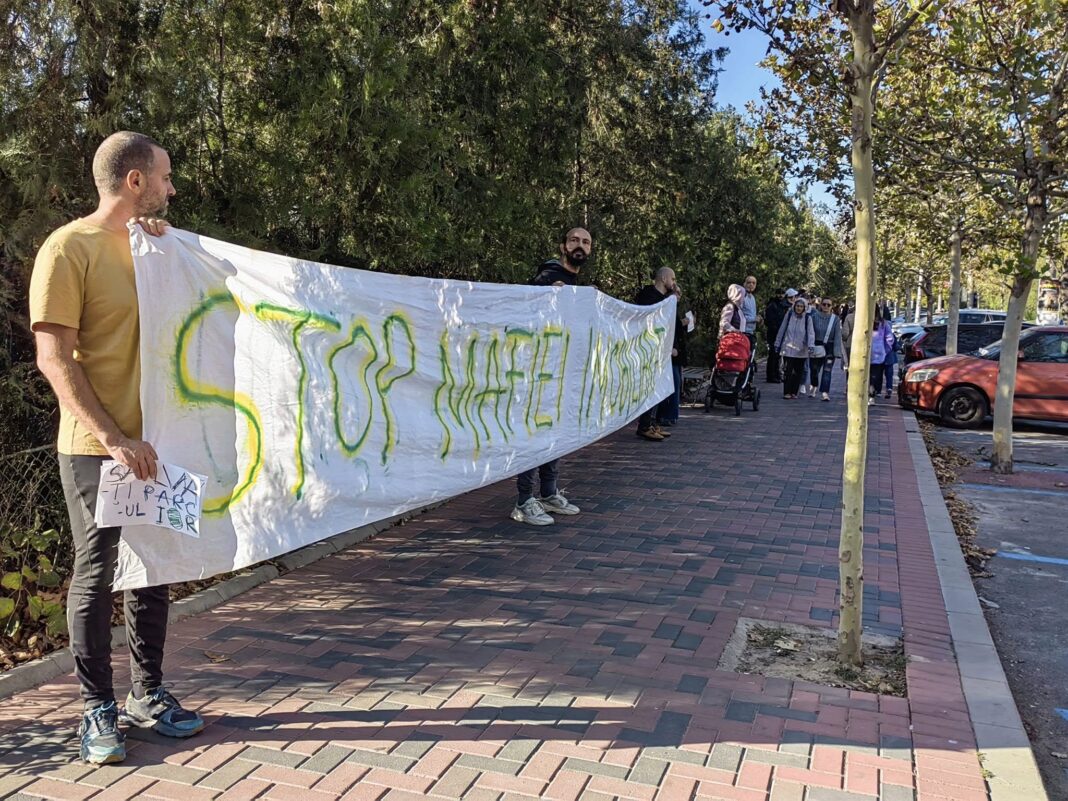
[[731, 319]]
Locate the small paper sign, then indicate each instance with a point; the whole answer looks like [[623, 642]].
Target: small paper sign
[[171, 500], [689, 322]]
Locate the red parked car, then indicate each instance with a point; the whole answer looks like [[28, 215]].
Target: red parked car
[[961, 389]]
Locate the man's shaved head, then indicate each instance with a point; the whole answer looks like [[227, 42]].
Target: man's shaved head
[[118, 155]]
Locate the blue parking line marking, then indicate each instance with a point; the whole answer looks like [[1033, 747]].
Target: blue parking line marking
[[1029, 557], [994, 488]]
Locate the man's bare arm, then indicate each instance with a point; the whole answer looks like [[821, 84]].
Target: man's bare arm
[[55, 359]]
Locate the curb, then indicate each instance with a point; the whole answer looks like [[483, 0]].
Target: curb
[[1004, 748], [58, 663]]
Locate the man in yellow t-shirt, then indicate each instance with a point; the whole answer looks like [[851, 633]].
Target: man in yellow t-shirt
[[83, 310]]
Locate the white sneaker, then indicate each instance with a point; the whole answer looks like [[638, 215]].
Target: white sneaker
[[826, 396], [812, 391], [532, 513], [871, 400], [558, 505], [801, 390]]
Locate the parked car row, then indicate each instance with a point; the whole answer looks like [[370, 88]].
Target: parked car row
[[931, 340], [961, 389]]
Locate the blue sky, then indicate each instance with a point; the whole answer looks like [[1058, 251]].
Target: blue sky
[[742, 77]]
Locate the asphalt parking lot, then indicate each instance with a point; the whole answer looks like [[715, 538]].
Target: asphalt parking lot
[[1023, 516]]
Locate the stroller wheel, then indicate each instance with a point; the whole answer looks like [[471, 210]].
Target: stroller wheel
[[756, 400], [738, 408]]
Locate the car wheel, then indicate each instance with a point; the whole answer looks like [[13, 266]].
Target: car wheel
[[963, 407]]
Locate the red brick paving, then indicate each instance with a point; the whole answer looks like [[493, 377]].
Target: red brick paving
[[464, 656]]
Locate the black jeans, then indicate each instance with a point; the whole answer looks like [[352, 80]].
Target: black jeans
[[524, 482], [96, 552], [774, 373], [815, 365], [794, 370]]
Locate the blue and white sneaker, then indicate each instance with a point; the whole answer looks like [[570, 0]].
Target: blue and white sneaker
[[161, 712], [101, 740]]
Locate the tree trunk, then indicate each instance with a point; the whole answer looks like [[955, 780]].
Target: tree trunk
[[1037, 212], [854, 459], [953, 322], [919, 298]]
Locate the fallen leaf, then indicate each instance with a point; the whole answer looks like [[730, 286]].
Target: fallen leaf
[[214, 657]]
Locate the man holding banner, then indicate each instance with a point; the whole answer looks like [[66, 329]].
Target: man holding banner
[[661, 289], [84, 315], [575, 249]]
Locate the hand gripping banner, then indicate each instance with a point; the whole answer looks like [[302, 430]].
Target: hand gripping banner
[[317, 399]]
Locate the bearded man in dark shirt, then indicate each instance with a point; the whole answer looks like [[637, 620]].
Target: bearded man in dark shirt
[[575, 249]]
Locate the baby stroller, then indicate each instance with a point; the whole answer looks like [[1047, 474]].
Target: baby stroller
[[732, 376]]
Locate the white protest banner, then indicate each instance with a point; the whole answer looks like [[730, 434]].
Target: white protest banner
[[171, 500], [317, 399]]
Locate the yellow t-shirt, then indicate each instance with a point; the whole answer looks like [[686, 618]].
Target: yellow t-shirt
[[83, 278]]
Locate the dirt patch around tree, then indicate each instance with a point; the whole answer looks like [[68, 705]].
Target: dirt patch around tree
[[809, 653]]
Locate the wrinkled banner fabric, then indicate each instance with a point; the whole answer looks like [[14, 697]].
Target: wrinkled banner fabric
[[317, 398]]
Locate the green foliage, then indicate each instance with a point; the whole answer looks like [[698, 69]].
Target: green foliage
[[30, 582]]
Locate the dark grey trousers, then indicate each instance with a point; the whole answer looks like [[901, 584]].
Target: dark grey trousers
[[96, 552], [524, 482]]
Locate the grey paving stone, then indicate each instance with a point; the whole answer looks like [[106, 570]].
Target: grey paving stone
[[796, 742], [852, 746], [227, 775], [647, 771], [255, 753], [455, 782], [174, 773], [326, 759], [594, 768], [416, 747], [827, 794], [776, 758], [895, 792], [725, 757], [741, 711], [376, 759], [895, 747], [490, 764], [518, 750], [674, 755]]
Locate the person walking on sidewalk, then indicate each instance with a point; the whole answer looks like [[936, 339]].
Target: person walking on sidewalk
[[749, 309], [575, 249], [882, 352], [828, 347], [84, 316], [795, 342], [774, 314], [661, 289], [667, 412]]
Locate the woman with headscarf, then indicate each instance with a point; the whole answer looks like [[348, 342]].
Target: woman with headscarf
[[796, 341], [731, 319]]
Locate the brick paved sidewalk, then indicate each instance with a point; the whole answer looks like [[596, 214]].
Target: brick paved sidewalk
[[465, 656]]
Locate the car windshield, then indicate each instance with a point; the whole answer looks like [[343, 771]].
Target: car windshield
[[993, 350]]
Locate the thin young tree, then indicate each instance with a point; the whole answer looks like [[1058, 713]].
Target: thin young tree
[[831, 66]]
